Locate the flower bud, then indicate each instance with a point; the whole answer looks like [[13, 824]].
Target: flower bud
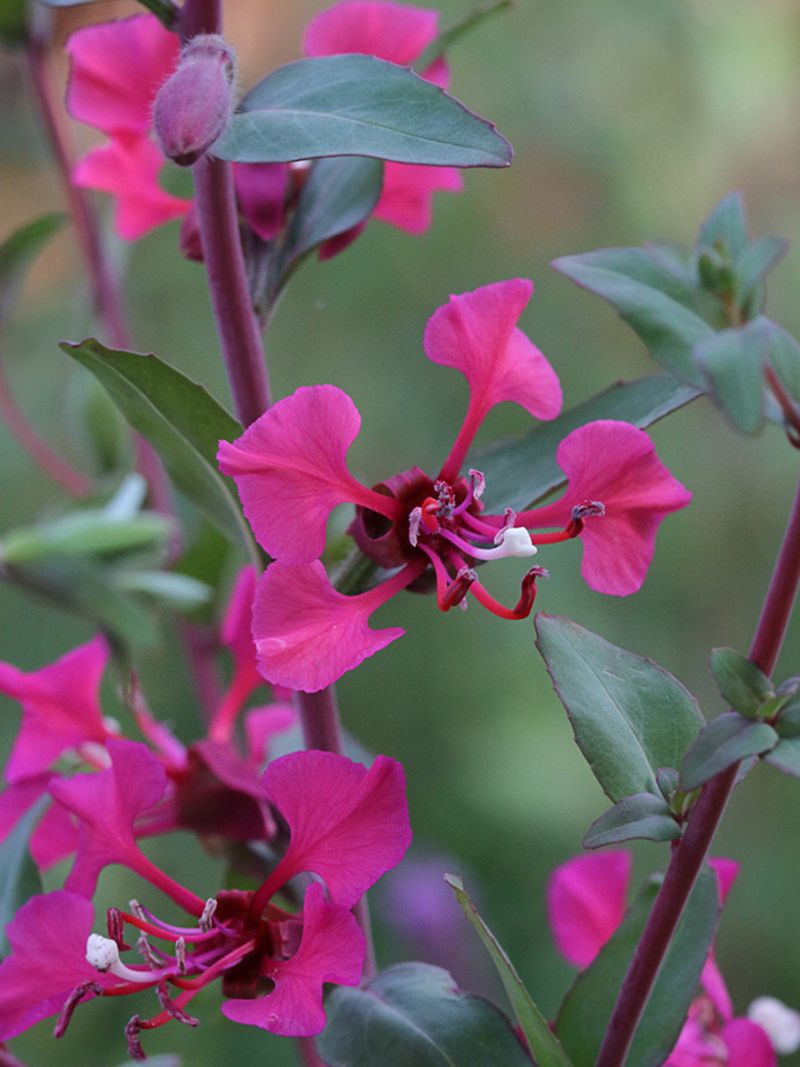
[[194, 104]]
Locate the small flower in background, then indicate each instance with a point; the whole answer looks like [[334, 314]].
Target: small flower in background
[[290, 469], [210, 787], [347, 826], [586, 900], [128, 76]]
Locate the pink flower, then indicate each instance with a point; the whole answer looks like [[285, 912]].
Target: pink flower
[[347, 825], [117, 69], [60, 708], [47, 967], [586, 903], [290, 467], [400, 34]]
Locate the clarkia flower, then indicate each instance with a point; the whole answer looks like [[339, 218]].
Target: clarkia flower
[[586, 901], [117, 70], [347, 825], [291, 471]]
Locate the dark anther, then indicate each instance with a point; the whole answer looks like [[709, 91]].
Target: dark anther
[[169, 1006], [72, 1001], [133, 1028], [458, 588], [116, 928]]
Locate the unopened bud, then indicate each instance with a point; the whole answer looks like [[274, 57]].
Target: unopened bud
[[194, 104]]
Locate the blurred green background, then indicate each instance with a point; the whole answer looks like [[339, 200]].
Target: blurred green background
[[629, 121]]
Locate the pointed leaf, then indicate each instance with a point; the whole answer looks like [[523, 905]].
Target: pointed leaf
[[732, 363], [785, 756], [587, 1008], [726, 740], [357, 105], [630, 716], [521, 470], [180, 419], [541, 1039], [753, 265], [741, 683], [639, 816], [339, 193], [463, 25], [726, 227], [648, 298], [19, 877], [414, 1014], [19, 250]]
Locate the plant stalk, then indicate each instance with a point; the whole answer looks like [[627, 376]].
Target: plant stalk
[[690, 854]]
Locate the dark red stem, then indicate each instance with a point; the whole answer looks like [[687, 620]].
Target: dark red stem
[[691, 852]]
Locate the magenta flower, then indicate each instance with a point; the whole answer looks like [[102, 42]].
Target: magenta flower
[[400, 34], [117, 69], [60, 709], [347, 825], [586, 903], [291, 471]]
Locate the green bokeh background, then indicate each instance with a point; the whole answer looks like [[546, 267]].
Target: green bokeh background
[[629, 121]]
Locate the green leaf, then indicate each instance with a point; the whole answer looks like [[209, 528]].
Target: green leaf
[[646, 296], [726, 740], [725, 229], [339, 193], [85, 533], [84, 587], [179, 418], [177, 591], [732, 363], [414, 1014], [521, 470], [785, 756], [630, 716], [19, 876], [741, 683], [357, 105], [587, 1008], [541, 1039], [19, 250], [642, 815], [469, 21], [752, 266]]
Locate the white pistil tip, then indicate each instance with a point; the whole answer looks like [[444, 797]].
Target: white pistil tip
[[517, 543], [101, 952], [782, 1024]]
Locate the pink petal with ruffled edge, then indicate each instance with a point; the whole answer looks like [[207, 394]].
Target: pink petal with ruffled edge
[[291, 471], [116, 69], [55, 838], [347, 824], [128, 170], [236, 632], [697, 1048], [332, 949], [107, 805], [748, 1045], [615, 463], [407, 197], [476, 333], [47, 961], [60, 708], [398, 33], [18, 798], [586, 903], [261, 194], [307, 634]]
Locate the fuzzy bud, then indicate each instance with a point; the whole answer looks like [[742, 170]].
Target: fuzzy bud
[[194, 104]]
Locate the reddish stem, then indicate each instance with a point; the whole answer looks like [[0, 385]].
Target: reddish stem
[[688, 858], [40, 452]]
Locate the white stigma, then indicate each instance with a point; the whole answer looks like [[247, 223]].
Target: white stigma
[[515, 543], [782, 1024], [103, 954]]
